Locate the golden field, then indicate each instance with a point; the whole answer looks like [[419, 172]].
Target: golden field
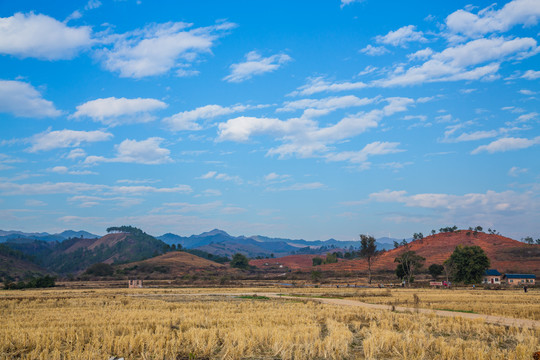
[[169, 324]]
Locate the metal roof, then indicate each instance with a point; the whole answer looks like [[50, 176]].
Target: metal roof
[[492, 272], [520, 276]]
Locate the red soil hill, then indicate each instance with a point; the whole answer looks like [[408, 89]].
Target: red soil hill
[[505, 254]]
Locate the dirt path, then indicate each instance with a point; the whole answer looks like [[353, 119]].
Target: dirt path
[[492, 319]]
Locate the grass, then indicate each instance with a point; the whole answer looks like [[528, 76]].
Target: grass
[[253, 297], [461, 311]]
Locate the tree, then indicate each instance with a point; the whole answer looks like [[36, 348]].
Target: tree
[[529, 240], [239, 261], [435, 270], [467, 264], [317, 261], [418, 236], [331, 258], [408, 263], [368, 250], [396, 244]]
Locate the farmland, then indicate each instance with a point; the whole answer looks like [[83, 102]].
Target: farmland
[[189, 324]]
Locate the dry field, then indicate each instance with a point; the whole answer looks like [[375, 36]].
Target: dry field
[[163, 324]]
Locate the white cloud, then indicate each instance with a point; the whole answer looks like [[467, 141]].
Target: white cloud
[[464, 62], [158, 48], [115, 111], [421, 54], [531, 75], [188, 120], [49, 140], [221, 176], [402, 36], [304, 137], [527, 117], [22, 99], [488, 20], [76, 153], [273, 177], [374, 148], [319, 107], [507, 144], [255, 64], [10, 188], [140, 152], [374, 50], [516, 171], [299, 187], [319, 84], [526, 92], [92, 4], [231, 210], [65, 170], [40, 36], [183, 207], [348, 2]]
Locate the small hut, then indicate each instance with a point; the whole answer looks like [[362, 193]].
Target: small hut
[[134, 284]]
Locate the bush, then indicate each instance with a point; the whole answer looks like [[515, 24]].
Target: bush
[[317, 261], [239, 261], [100, 269], [39, 282]]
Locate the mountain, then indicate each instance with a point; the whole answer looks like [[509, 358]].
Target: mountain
[[218, 242], [76, 254], [19, 235], [505, 254]]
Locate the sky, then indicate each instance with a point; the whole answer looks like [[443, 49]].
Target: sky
[[296, 119]]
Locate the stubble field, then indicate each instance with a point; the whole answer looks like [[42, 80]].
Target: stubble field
[[189, 324]]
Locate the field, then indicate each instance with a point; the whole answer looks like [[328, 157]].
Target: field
[[187, 324]]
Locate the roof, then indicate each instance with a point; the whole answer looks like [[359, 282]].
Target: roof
[[492, 272], [520, 276]]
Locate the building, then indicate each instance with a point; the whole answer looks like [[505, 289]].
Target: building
[[492, 276], [133, 284], [520, 279]]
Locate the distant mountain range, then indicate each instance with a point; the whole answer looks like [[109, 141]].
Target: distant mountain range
[[11, 235], [218, 242]]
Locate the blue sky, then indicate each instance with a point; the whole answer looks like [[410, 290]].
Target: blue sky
[[295, 119]]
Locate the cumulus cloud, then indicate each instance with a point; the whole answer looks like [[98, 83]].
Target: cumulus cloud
[[464, 62], [158, 48], [115, 111], [50, 140], [348, 2], [141, 152], [42, 37], [188, 120], [319, 84], [488, 20], [304, 137], [22, 99], [401, 36], [507, 144], [255, 64]]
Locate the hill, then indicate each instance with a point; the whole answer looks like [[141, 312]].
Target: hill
[[174, 263], [505, 254], [14, 265], [76, 254]]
